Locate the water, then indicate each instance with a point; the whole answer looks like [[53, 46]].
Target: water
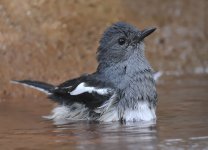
[[182, 122]]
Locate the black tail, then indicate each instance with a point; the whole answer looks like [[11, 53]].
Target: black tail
[[41, 86]]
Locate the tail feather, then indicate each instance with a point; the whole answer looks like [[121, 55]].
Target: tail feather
[[41, 86]]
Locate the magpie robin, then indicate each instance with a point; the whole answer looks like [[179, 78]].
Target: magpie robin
[[121, 89]]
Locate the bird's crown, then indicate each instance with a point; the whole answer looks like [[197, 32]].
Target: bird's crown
[[120, 40]]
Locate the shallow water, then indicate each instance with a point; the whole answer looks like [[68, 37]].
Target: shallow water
[[182, 122]]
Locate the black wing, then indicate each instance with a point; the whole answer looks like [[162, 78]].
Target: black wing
[[87, 89]]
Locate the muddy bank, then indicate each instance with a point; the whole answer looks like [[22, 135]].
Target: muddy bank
[[55, 40]]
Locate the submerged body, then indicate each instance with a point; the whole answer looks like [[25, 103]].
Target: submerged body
[[121, 89]]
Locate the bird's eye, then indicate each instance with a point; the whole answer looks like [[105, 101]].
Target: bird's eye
[[121, 41]]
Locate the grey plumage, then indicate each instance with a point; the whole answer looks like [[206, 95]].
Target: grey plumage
[[127, 67], [122, 88]]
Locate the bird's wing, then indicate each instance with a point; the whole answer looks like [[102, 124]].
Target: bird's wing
[[87, 90]]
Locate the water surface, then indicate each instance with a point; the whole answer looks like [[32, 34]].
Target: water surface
[[182, 122]]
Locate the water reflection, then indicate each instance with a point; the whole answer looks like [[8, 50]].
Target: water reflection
[[103, 135]]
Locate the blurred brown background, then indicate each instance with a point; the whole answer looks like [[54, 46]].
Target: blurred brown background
[[54, 40]]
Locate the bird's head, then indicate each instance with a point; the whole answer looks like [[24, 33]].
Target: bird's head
[[120, 41]]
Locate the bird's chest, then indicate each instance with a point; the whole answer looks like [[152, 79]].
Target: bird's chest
[[132, 87], [132, 83], [135, 90]]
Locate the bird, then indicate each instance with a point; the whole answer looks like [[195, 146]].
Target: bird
[[122, 88]]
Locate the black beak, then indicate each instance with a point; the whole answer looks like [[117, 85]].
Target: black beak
[[146, 32]]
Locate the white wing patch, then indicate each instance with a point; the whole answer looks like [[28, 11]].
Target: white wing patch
[[157, 75], [82, 88]]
